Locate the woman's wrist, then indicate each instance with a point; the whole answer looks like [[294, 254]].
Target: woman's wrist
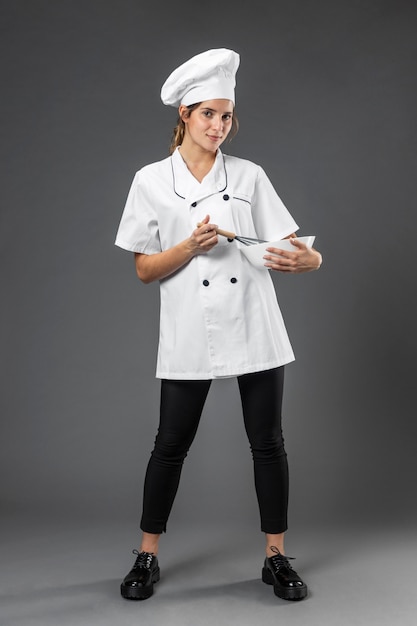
[[188, 246], [319, 260]]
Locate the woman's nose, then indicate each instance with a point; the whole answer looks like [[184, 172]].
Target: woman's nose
[[217, 122]]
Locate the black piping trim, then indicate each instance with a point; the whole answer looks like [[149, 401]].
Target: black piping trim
[[225, 174], [242, 199], [173, 181], [183, 197]]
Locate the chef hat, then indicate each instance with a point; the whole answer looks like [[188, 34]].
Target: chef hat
[[206, 76]]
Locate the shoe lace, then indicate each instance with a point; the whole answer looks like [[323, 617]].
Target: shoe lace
[[143, 559], [280, 560]]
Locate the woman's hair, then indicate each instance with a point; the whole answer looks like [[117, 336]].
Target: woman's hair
[[179, 130]]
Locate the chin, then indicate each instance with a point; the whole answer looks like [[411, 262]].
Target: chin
[[213, 146]]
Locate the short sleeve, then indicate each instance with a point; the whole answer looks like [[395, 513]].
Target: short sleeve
[[138, 229], [271, 218]]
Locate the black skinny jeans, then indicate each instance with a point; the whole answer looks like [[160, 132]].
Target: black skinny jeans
[[182, 403]]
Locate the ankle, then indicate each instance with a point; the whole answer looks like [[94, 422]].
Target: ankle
[[150, 542], [274, 550], [149, 549], [274, 542]]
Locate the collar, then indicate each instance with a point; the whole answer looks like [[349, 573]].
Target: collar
[[185, 184]]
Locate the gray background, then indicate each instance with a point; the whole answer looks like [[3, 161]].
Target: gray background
[[326, 99]]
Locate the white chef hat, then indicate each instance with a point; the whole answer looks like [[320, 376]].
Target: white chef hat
[[206, 76]]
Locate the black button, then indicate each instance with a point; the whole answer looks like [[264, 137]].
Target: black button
[[230, 240], [206, 283], [226, 197], [193, 203], [233, 280]]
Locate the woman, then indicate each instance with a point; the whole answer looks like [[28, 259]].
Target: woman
[[219, 315]]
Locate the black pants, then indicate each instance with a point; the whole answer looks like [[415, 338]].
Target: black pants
[[182, 402]]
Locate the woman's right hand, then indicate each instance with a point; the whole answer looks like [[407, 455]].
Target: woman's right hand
[[150, 267], [204, 237]]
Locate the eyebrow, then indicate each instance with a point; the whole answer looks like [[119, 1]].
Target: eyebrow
[[215, 111]]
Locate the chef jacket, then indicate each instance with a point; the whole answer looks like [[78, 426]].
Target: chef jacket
[[219, 315]]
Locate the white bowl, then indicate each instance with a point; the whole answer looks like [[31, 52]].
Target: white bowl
[[255, 253]]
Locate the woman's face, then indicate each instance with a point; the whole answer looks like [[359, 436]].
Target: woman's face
[[209, 124]]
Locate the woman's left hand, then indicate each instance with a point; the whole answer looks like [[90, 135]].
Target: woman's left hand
[[302, 259]]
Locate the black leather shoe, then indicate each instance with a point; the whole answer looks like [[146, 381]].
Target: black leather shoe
[[138, 584], [277, 571]]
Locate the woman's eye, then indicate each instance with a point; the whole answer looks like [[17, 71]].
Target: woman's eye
[[207, 113], [227, 117]]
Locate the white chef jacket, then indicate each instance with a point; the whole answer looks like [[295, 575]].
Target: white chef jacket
[[219, 314]]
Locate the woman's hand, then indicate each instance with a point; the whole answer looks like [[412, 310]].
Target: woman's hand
[[150, 267], [302, 259], [204, 237]]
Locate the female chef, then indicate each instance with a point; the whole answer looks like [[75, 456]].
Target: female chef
[[219, 314]]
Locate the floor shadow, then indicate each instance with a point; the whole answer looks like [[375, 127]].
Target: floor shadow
[[102, 587]]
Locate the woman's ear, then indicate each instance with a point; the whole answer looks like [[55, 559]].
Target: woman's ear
[[183, 112]]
